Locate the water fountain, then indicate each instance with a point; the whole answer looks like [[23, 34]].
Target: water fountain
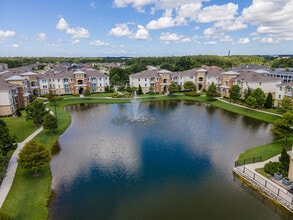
[[137, 113]]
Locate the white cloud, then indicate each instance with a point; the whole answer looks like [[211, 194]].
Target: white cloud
[[141, 33], [166, 37], [6, 34], [217, 13], [15, 45], [78, 32], [122, 30], [244, 40], [163, 22], [75, 41], [98, 43], [226, 38], [271, 17], [230, 25], [210, 42], [267, 40], [41, 37], [62, 25]]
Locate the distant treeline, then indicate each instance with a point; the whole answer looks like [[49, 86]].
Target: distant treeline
[[172, 63]]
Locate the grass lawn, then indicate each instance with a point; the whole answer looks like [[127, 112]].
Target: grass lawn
[[19, 126], [266, 151], [28, 197]]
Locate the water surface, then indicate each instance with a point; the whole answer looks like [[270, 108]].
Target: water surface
[[176, 164]]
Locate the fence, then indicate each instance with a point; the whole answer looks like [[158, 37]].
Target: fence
[[248, 161], [281, 194]]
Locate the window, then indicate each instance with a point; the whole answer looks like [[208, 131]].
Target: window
[[280, 96], [138, 79], [145, 85], [58, 80], [145, 79], [281, 88], [260, 83], [191, 77], [44, 81], [100, 84], [100, 79]]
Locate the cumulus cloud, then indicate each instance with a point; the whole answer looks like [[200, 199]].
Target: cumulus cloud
[[166, 37], [163, 22], [6, 34], [98, 43], [15, 45], [244, 40], [217, 13], [271, 17], [78, 32], [122, 30]]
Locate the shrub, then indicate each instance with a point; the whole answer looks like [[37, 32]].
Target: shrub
[[18, 113], [273, 167], [4, 216], [192, 93]]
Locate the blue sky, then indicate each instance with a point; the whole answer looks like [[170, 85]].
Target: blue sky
[[145, 27]]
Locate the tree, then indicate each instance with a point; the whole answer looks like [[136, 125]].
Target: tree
[[7, 142], [269, 101], [50, 122], [235, 93], [212, 91], [33, 156], [259, 96], [36, 112], [173, 88], [189, 86], [86, 92], [285, 104], [247, 92], [283, 126], [251, 102], [139, 91], [50, 96], [285, 159]]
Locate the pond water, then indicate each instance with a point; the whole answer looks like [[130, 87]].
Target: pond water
[[176, 163]]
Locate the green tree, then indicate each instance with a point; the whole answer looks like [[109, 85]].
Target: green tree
[[36, 112], [269, 101], [285, 159], [235, 93], [247, 92], [285, 104], [251, 102], [172, 88], [33, 156], [259, 96], [86, 92], [7, 142], [212, 91], [50, 122], [50, 96], [189, 86], [283, 126], [139, 91]]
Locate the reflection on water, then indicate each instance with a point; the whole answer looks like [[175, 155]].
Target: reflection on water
[[179, 166]]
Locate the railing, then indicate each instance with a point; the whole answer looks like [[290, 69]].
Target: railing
[[248, 161], [281, 194]]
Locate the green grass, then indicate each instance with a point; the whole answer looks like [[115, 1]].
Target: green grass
[[19, 126], [266, 151], [28, 197]]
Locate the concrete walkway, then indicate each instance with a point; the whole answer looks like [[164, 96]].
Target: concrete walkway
[[242, 106], [12, 166]]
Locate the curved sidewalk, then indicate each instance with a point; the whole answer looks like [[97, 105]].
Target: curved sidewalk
[[12, 166]]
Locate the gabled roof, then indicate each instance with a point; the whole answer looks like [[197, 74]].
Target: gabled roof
[[230, 73], [78, 72], [15, 78], [29, 74]]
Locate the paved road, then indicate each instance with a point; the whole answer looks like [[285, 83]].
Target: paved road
[[12, 166]]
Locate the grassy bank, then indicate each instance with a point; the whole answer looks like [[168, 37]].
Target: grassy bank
[[28, 197], [19, 126]]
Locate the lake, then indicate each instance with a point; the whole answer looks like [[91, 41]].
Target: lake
[[174, 161]]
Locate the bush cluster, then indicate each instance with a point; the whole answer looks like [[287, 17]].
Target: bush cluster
[[192, 93]]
